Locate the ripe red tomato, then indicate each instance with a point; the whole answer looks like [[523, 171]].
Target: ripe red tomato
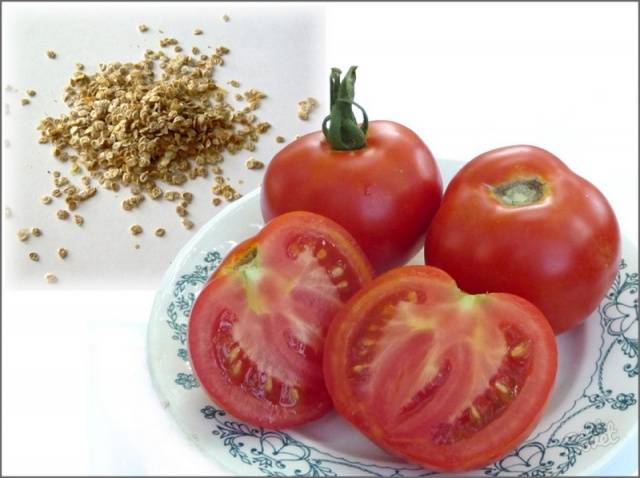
[[384, 191], [517, 220], [257, 329], [447, 380], [384, 194]]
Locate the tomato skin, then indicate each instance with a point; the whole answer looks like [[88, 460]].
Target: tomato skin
[[256, 331], [384, 194], [561, 254], [374, 405]]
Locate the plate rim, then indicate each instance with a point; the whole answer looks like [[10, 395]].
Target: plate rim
[[182, 256]]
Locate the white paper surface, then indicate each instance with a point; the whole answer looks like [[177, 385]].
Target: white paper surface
[[278, 49]]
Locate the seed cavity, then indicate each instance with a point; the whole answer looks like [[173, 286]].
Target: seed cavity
[[236, 368], [294, 394], [233, 354], [519, 350], [359, 368], [388, 310], [293, 250], [502, 389]]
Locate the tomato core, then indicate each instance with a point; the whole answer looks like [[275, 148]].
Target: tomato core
[[522, 192]]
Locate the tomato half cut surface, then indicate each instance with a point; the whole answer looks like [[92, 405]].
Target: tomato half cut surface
[[256, 331], [445, 379]]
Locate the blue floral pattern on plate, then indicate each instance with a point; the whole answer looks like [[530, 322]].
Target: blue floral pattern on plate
[[554, 451]]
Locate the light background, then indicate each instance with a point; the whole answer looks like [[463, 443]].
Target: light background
[[467, 78], [262, 56]]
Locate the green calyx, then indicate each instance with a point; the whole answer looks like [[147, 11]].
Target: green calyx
[[342, 131]]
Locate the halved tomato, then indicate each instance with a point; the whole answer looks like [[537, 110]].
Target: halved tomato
[[448, 380], [257, 330]]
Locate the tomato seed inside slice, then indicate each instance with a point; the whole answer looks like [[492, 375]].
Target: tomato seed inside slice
[[408, 351], [501, 390], [287, 307]]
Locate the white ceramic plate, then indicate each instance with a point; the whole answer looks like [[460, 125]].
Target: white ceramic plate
[[592, 411]]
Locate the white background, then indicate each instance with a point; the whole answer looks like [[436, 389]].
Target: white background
[[262, 56], [466, 77]]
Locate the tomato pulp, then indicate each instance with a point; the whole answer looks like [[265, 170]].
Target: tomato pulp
[[518, 220], [445, 379], [257, 329]]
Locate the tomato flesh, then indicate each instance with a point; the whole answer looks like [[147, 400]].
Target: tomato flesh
[[448, 380], [256, 331]]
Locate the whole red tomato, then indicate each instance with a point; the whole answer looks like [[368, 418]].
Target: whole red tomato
[[518, 220], [378, 180]]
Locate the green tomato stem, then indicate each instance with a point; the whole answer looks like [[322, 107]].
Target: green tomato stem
[[343, 132]]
